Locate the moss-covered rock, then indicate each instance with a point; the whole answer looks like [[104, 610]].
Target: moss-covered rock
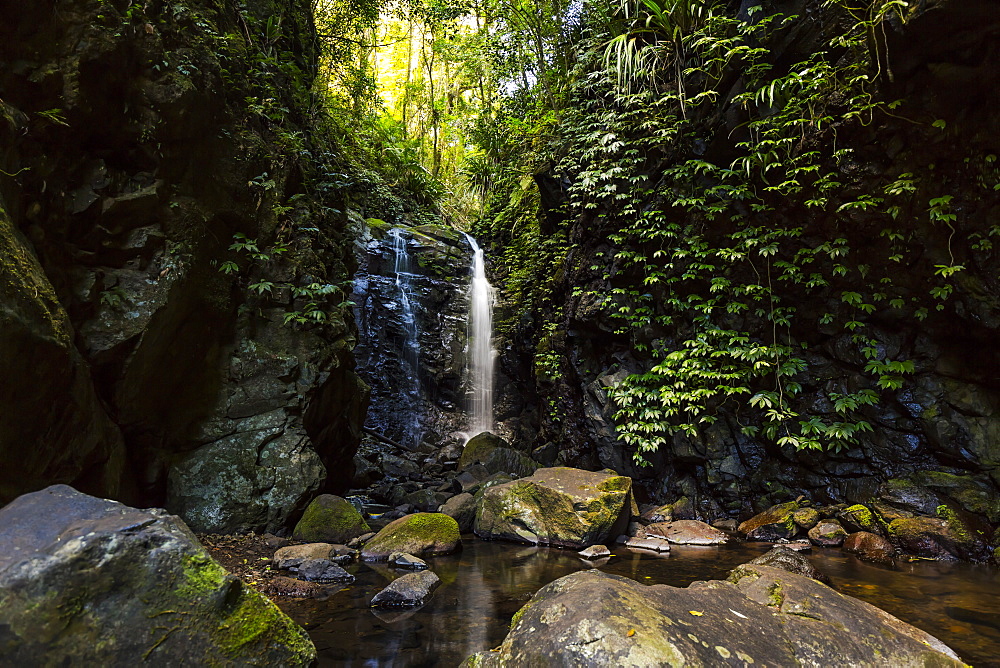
[[591, 618], [557, 506], [478, 449], [330, 519], [420, 534], [806, 518], [974, 494], [945, 537], [92, 582], [827, 533], [775, 523], [860, 518]]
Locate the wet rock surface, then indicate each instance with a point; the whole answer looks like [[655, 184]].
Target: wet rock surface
[[420, 534], [557, 506], [776, 523], [687, 532], [796, 621], [870, 547], [407, 591], [827, 533], [76, 566]]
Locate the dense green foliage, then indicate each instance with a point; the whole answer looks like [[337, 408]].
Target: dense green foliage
[[715, 268]]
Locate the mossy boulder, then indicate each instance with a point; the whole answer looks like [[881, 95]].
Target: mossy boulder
[[478, 449], [420, 534], [86, 581], [590, 618], [973, 494], [559, 506], [953, 534], [827, 533], [775, 523], [860, 518], [806, 518], [330, 519], [510, 461]]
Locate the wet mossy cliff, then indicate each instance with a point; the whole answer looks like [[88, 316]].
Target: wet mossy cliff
[[173, 260], [796, 214]]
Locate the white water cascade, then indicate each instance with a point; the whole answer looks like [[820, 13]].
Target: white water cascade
[[481, 354], [411, 342]]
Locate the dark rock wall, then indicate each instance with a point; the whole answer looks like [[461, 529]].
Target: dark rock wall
[[944, 62], [440, 259], [137, 141]]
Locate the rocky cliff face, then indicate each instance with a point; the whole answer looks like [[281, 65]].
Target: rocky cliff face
[[946, 415], [412, 348], [172, 261]]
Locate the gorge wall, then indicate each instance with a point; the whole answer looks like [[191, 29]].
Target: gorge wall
[[174, 260]]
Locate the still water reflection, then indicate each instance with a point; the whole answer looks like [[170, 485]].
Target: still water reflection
[[485, 584]]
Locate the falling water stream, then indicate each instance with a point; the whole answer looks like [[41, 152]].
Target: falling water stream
[[411, 343], [481, 358]]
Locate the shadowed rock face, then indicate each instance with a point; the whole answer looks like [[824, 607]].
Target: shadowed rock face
[[766, 616], [90, 581], [438, 286], [135, 362]]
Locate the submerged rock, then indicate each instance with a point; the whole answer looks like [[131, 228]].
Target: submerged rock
[[420, 534], [409, 590], [687, 532], [557, 506], [766, 616], [775, 523], [92, 582], [330, 519]]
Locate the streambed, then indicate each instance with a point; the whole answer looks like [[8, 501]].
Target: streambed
[[486, 583]]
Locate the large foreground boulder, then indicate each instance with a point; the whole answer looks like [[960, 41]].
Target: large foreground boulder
[[86, 581], [420, 534], [766, 616], [559, 506]]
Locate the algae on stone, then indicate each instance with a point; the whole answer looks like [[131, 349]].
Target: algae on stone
[[330, 519]]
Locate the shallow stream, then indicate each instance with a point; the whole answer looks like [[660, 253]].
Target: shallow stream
[[486, 583]]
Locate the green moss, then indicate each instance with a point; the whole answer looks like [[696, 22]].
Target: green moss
[[330, 519], [418, 534], [519, 614], [863, 517], [256, 623], [955, 523], [775, 597], [202, 576]]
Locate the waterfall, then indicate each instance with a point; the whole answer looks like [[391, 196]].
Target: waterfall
[[411, 342], [481, 355]]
